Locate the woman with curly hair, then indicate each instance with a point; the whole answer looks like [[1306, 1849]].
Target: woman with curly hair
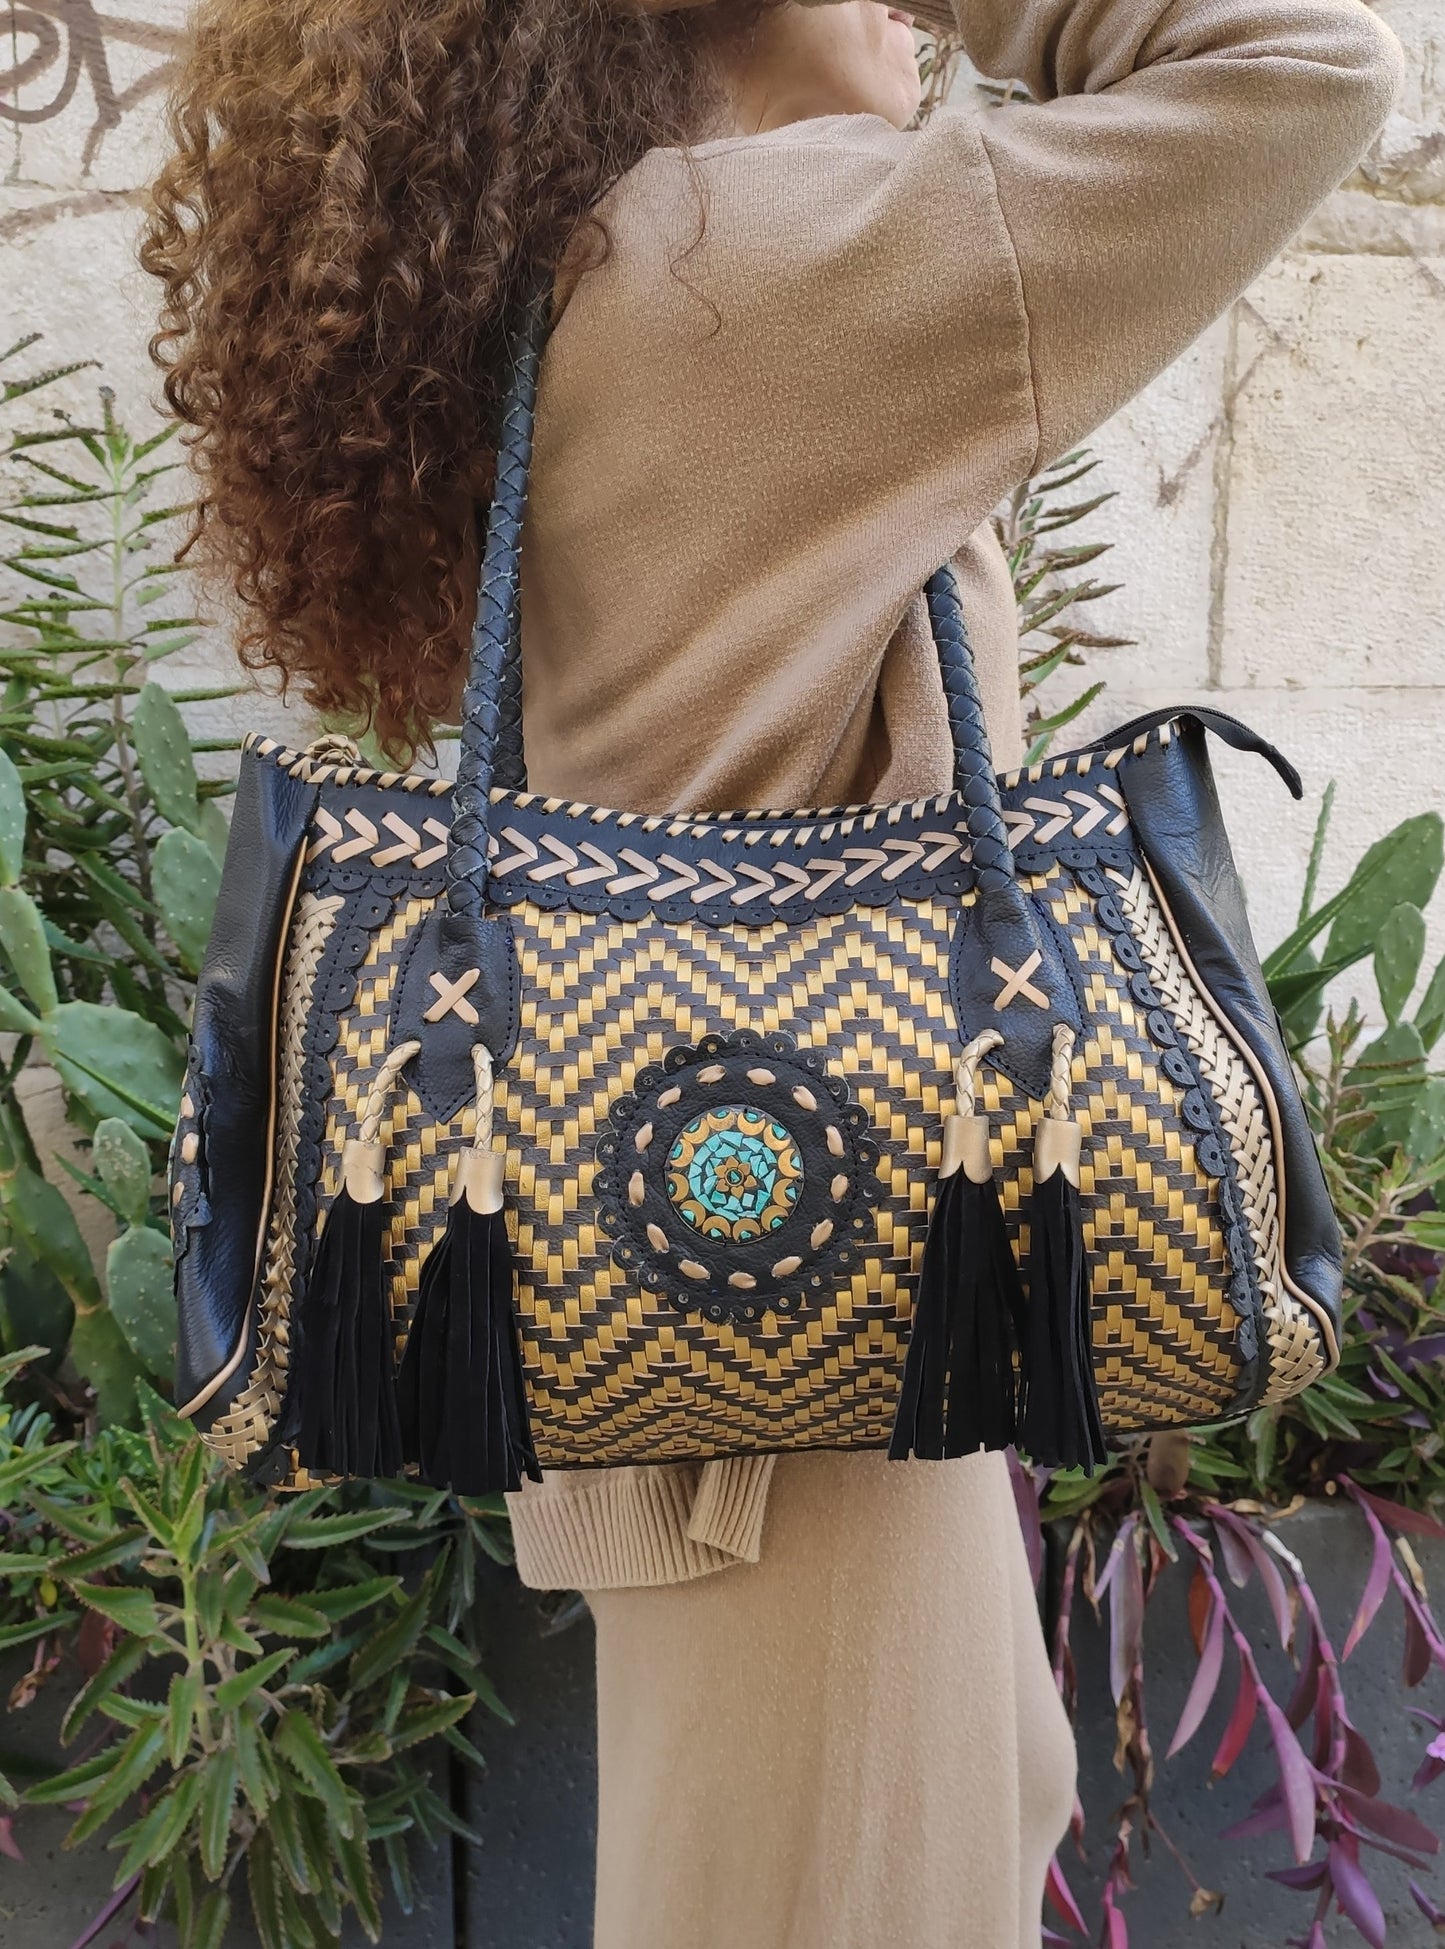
[[800, 348]]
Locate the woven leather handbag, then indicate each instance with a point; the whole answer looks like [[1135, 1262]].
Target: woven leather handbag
[[522, 1132]]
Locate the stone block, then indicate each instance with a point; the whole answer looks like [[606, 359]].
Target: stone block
[[71, 274], [1337, 477], [1157, 457], [1406, 161]]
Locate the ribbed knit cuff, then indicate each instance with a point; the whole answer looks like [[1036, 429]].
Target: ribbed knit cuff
[[731, 1500], [616, 1529]]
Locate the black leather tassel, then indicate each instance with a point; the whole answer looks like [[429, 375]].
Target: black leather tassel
[[345, 1370], [959, 1381], [1061, 1427], [463, 1403]]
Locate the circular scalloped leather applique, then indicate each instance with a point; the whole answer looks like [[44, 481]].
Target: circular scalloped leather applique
[[737, 1177]]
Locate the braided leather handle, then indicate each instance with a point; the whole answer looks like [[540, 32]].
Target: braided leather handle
[[491, 732], [974, 777], [492, 699]]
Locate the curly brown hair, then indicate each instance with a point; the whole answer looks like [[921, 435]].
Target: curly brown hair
[[358, 193]]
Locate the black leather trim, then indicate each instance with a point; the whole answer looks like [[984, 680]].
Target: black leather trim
[[456, 948], [232, 1058], [992, 930], [1174, 809]]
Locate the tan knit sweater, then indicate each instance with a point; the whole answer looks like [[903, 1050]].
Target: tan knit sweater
[[812, 363]]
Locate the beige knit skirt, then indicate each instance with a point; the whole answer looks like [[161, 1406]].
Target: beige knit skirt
[[854, 1743]]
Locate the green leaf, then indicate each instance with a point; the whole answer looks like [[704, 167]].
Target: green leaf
[[359, 1879], [27, 1563], [123, 1663], [1154, 1511], [123, 1165], [214, 829], [12, 823], [388, 1648], [139, 1275], [415, 1727], [122, 1547], [289, 1618], [163, 747], [40, 1214], [35, 1627], [1399, 951], [324, 1532], [138, 1758], [1287, 955], [316, 1839], [74, 1783], [235, 1691], [1391, 1069], [22, 935], [103, 1357], [1430, 1017], [186, 878], [255, 1767], [218, 1802], [152, 1839], [132, 1610], [1043, 730], [301, 1746], [1401, 868], [1317, 852], [261, 1880], [213, 1918], [15, 1017], [146, 1504], [1425, 1131], [345, 1600], [183, 1702], [117, 1063], [284, 1830]]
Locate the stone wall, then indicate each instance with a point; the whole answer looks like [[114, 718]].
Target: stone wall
[[1281, 512], [1281, 491]]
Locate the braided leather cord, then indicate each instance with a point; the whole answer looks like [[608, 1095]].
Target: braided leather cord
[[491, 731], [491, 704], [973, 772], [509, 769]]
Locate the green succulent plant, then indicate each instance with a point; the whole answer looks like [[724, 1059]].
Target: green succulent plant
[[257, 1725], [110, 849]]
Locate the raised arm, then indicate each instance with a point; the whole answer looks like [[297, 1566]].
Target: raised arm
[[1171, 148]]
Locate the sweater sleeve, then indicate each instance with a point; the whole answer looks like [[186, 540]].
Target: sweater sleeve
[[1170, 149]]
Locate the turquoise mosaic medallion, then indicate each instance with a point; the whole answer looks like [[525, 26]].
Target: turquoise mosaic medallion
[[734, 1174]]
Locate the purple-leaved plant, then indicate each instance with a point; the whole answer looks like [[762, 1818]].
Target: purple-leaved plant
[[1324, 1803]]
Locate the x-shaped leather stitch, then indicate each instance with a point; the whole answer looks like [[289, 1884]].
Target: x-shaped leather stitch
[[452, 998], [1015, 982]]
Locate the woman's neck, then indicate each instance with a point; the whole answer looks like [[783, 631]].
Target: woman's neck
[[795, 63]]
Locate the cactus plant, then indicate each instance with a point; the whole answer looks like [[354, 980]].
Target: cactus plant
[[163, 750], [1402, 868], [187, 878], [138, 1276], [123, 1166], [1399, 952]]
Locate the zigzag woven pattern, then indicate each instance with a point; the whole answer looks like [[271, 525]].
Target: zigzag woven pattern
[[615, 1373]]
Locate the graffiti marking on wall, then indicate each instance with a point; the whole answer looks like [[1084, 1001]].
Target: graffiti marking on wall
[[47, 46]]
